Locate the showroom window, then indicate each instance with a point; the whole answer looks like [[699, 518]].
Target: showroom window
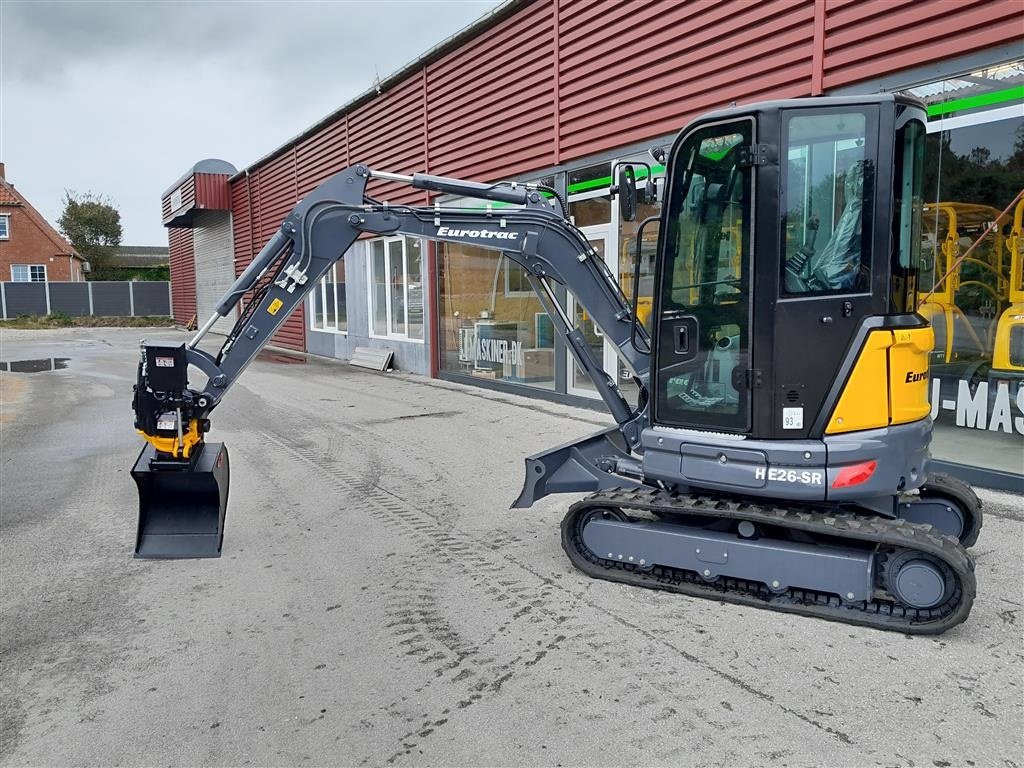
[[28, 273], [974, 167], [328, 302], [396, 288], [492, 326]]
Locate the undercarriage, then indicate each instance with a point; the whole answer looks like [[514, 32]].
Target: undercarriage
[[851, 567]]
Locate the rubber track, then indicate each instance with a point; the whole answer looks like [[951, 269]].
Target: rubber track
[[942, 485], [887, 614]]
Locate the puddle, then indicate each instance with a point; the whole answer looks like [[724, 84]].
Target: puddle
[[268, 356], [39, 365]]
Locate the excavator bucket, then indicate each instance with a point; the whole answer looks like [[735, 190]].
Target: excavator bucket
[[182, 506]]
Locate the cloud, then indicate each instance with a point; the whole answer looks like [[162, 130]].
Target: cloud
[[121, 98]]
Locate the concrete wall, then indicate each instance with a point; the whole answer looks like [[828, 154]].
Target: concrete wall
[[411, 356]]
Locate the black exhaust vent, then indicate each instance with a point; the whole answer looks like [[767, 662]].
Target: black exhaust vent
[[792, 396]]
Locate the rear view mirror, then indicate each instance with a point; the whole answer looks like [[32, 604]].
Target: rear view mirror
[[625, 186]]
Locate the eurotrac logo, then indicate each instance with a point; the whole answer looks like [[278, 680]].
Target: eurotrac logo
[[480, 234]]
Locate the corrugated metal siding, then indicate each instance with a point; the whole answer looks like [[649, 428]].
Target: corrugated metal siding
[[188, 197], [273, 194], [624, 78], [388, 132], [183, 274], [491, 103], [865, 40], [241, 225], [321, 155], [212, 192], [215, 270]]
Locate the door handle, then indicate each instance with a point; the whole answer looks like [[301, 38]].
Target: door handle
[[681, 338]]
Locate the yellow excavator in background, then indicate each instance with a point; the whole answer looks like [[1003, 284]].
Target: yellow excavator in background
[[958, 342], [1008, 350]]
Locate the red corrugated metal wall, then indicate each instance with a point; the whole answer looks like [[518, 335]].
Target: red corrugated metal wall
[[183, 274], [212, 192], [866, 39], [562, 79]]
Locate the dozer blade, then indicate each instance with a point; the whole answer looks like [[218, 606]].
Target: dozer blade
[[575, 467], [181, 507]]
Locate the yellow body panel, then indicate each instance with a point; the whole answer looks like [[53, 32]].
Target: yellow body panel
[[908, 374], [170, 446], [888, 384], [864, 403]]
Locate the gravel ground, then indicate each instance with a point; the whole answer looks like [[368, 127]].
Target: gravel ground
[[378, 603]]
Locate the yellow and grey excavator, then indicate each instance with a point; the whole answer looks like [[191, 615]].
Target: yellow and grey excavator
[[778, 452]]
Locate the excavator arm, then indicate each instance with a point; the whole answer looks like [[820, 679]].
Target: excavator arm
[[173, 417]]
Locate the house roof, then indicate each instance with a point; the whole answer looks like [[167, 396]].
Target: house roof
[[9, 196]]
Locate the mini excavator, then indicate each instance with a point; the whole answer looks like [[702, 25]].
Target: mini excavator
[[778, 452]]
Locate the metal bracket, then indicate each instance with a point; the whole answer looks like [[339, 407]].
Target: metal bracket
[[754, 154], [751, 378]]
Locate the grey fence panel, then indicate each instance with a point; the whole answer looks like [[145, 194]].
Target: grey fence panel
[[25, 299], [69, 298], [111, 299], [151, 298]]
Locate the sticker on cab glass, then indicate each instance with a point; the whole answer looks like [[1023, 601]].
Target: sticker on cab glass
[[275, 305]]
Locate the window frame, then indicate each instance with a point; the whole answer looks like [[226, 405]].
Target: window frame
[[869, 192], [509, 293], [29, 268], [322, 290], [405, 287], [5, 221]]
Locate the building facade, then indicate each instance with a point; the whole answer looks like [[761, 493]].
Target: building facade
[[31, 250], [558, 91]]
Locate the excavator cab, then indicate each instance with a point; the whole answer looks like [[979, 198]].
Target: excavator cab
[[788, 231]]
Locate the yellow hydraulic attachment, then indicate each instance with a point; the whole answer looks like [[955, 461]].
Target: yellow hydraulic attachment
[[171, 446]]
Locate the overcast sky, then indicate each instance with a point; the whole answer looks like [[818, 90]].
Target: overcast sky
[[121, 98]]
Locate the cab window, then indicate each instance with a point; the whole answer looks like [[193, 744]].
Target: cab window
[[827, 184]]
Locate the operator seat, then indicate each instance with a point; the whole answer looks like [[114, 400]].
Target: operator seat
[[837, 266]]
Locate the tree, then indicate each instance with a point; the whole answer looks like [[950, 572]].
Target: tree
[[92, 225]]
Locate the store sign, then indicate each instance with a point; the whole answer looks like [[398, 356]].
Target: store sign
[[979, 410], [497, 351]]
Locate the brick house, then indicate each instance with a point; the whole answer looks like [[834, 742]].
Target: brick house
[[31, 250]]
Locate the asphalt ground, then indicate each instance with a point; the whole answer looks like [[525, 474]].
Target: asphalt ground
[[378, 603]]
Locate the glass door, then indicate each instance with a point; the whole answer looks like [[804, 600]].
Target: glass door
[[578, 382], [703, 333]]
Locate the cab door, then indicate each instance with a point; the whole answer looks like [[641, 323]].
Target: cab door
[[826, 282], [703, 344]]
